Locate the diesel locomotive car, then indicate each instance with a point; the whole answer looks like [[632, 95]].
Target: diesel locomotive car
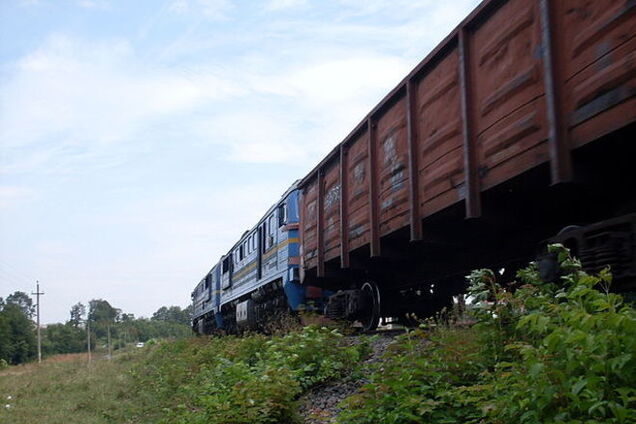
[[518, 129], [257, 278]]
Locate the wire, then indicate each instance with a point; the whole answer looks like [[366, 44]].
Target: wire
[[17, 271]]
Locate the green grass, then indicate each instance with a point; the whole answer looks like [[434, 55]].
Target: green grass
[[65, 390], [223, 380], [242, 380]]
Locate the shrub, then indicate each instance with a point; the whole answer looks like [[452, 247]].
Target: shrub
[[250, 380], [543, 353], [573, 350], [423, 379]]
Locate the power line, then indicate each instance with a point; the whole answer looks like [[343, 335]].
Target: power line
[[16, 271], [9, 276]]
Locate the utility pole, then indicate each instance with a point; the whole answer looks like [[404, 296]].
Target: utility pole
[[37, 297], [110, 350], [88, 339]]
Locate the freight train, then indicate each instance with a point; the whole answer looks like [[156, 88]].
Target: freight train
[[518, 129]]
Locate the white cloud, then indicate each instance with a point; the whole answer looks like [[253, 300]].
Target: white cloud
[[318, 104], [10, 196], [330, 83], [212, 9], [94, 4], [216, 9], [252, 136], [70, 98], [83, 104], [88, 4], [275, 5], [179, 6]]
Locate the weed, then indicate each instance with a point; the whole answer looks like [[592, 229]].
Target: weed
[[250, 380], [545, 353]]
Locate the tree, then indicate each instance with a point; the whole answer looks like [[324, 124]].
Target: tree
[[172, 314], [143, 329], [5, 335], [101, 316], [100, 310], [63, 338], [23, 301], [161, 314], [126, 317], [77, 314], [18, 342], [189, 311]]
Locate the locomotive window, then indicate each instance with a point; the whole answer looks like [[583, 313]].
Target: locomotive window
[[264, 236], [269, 240], [241, 253], [226, 264], [282, 214]]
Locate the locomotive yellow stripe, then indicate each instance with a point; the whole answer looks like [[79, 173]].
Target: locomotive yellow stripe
[[271, 253], [268, 255], [283, 244], [245, 270]]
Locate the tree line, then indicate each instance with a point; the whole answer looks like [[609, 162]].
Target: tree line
[[98, 320]]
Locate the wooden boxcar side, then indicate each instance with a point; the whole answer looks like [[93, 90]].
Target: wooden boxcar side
[[517, 85]]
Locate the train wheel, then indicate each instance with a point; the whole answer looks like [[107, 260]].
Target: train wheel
[[370, 311]]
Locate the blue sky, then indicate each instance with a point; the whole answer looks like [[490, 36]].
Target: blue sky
[[139, 139]]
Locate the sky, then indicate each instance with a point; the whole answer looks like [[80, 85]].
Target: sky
[[139, 139]]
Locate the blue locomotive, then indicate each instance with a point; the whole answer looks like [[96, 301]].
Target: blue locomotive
[[257, 278]]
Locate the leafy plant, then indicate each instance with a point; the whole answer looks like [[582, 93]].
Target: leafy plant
[[231, 380], [541, 352], [573, 350]]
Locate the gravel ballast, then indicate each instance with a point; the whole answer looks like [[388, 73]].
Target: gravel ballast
[[320, 405]]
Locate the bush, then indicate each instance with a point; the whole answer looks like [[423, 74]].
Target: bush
[[250, 380], [423, 379], [544, 353], [573, 350]]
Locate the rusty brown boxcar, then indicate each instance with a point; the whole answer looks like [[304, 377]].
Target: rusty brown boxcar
[[518, 124]]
